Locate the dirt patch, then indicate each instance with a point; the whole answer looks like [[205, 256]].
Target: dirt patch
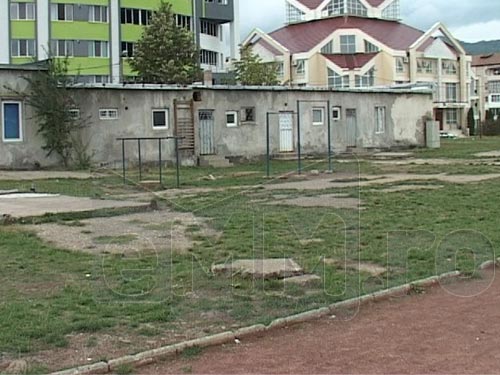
[[403, 188], [149, 231], [327, 200], [44, 175], [489, 154], [365, 180]]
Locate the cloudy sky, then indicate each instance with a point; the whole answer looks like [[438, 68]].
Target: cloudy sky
[[469, 20]]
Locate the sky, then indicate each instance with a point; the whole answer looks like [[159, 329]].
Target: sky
[[468, 20]]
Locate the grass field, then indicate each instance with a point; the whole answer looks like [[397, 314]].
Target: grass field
[[48, 295]]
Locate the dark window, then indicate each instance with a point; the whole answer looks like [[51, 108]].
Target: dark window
[[137, 18], [144, 18], [160, 118], [249, 114], [60, 12], [123, 15]]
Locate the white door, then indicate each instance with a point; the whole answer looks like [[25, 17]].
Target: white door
[[286, 131]]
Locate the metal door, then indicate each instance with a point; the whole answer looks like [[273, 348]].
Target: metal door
[[286, 131], [207, 138], [352, 128]]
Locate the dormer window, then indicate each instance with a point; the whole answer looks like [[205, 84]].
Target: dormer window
[[348, 44]]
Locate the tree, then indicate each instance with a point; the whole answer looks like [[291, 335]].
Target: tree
[[166, 53], [48, 93], [250, 70]]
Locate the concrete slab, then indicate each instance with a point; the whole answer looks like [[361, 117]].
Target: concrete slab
[[260, 268], [23, 206], [303, 280]]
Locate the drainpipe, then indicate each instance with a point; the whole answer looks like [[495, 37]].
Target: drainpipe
[[290, 78]]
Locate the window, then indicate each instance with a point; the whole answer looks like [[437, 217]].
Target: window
[[249, 114], [183, 21], [347, 44], [22, 47], [392, 11], [74, 114], [160, 118], [11, 121], [327, 48], [451, 92], [301, 67], [98, 49], [425, 66], [369, 47], [280, 70], [355, 7], [336, 80], [22, 11], [334, 7], [336, 113], [61, 12], [108, 114], [366, 80], [494, 87], [133, 16], [231, 119], [380, 120], [293, 14], [318, 114], [208, 57], [98, 13], [495, 98], [451, 117], [62, 48], [127, 49], [400, 65], [209, 28], [449, 67]]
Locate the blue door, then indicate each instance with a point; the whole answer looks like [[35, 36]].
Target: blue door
[[11, 121]]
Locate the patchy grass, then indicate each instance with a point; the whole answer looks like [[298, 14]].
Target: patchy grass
[[464, 148], [115, 240], [48, 293]]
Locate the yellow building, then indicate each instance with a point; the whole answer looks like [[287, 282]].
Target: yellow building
[[361, 43]]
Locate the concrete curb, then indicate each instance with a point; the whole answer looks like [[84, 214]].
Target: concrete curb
[[150, 356]]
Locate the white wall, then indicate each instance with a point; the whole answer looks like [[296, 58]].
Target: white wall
[[4, 32]]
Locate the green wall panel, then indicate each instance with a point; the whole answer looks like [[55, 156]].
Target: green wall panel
[[23, 29], [178, 6], [80, 30], [22, 60], [89, 66], [83, 2], [131, 33], [127, 70]]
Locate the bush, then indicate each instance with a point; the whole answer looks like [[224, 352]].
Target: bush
[[491, 127]]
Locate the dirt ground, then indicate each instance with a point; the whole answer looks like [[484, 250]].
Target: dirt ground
[[450, 329], [127, 234]]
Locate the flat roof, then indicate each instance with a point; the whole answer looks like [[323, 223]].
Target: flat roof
[[156, 87]]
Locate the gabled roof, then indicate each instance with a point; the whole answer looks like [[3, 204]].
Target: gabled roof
[[311, 4], [269, 47], [484, 60], [354, 61], [302, 37]]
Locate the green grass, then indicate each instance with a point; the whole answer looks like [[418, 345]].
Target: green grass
[[461, 148], [47, 294], [115, 240]]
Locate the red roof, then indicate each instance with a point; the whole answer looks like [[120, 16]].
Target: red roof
[[302, 37], [313, 4], [354, 61], [484, 60], [269, 47], [375, 3]]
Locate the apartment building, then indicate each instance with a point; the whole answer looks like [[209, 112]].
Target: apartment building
[[99, 36], [362, 43], [487, 70]]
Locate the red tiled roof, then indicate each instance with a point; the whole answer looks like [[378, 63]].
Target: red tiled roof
[[354, 61], [483, 60], [311, 4], [375, 3], [302, 37]]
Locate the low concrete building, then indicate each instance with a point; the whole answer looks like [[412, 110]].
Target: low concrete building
[[229, 122]]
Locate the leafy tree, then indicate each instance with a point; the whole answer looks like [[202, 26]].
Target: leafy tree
[[166, 53], [48, 93], [250, 70]]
